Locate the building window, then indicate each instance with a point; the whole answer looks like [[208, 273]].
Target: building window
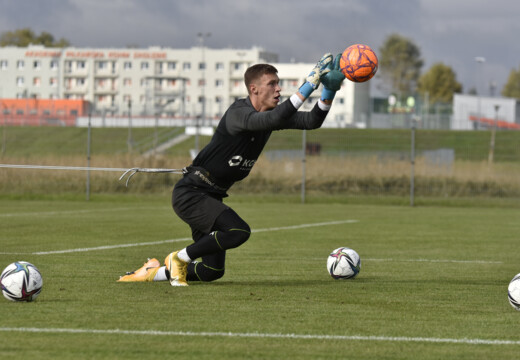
[[202, 66], [37, 81], [127, 82], [219, 66], [172, 65], [186, 66], [144, 65], [80, 64], [202, 82], [68, 66], [53, 81], [80, 81], [127, 65], [37, 64], [219, 83], [20, 64], [3, 64], [20, 81], [102, 65], [218, 99], [54, 64]]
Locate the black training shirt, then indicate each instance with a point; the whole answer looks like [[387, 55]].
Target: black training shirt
[[242, 134]]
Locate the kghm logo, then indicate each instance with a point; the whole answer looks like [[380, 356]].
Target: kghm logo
[[235, 160], [244, 164]]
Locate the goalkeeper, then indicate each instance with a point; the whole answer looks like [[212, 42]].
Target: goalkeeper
[[229, 157]]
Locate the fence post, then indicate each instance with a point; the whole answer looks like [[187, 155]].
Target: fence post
[[89, 131], [412, 164], [304, 147]]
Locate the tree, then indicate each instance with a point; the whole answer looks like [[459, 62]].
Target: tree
[[512, 87], [440, 83], [400, 63], [25, 37]]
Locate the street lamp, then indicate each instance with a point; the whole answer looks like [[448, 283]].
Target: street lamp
[[478, 60]]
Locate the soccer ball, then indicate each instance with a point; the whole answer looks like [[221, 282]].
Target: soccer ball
[[358, 63], [21, 281], [343, 263], [513, 292]]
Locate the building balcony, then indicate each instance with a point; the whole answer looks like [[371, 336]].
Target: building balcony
[[75, 90], [99, 90], [107, 73], [75, 73]]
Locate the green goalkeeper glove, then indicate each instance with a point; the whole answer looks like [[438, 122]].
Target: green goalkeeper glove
[[332, 80], [313, 79]]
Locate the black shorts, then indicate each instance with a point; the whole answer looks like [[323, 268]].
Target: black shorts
[[196, 203]]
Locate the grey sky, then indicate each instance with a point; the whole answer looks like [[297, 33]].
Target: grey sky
[[450, 31]]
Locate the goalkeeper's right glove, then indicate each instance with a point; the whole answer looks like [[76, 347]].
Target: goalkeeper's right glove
[[313, 79], [332, 80]]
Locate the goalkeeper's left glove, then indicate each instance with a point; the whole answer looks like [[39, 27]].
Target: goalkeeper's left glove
[[313, 79], [332, 80]]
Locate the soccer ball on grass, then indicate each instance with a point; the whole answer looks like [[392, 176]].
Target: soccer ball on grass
[[513, 292], [343, 263], [21, 281]]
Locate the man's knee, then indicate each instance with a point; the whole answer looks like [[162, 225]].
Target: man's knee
[[207, 274], [236, 237]]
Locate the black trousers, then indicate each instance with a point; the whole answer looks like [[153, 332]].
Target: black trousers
[[215, 228]]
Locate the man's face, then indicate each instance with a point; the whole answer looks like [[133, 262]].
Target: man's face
[[266, 92]]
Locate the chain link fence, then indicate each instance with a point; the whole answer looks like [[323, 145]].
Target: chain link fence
[[407, 165]]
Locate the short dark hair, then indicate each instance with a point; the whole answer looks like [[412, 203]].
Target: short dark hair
[[256, 71]]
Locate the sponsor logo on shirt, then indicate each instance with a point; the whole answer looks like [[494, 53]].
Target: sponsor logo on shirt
[[244, 164]]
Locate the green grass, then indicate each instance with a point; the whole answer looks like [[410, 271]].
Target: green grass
[[468, 145], [427, 272], [31, 141]]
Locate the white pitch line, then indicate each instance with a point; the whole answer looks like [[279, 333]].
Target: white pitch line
[[437, 261], [302, 226], [109, 247], [72, 212], [264, 335]]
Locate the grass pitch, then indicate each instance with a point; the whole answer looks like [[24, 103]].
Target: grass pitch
[[433, 283]]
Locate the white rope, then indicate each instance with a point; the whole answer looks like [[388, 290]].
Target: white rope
[[134, 171], [51, 167], [131, 171]]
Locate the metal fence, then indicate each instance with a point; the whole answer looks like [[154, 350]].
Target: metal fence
[[408, 165]]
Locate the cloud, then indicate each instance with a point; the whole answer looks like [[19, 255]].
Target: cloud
[[452, 32]]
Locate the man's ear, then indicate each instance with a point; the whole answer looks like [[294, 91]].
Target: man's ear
[[253, 89]]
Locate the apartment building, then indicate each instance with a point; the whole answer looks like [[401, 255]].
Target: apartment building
[[199, 82]]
